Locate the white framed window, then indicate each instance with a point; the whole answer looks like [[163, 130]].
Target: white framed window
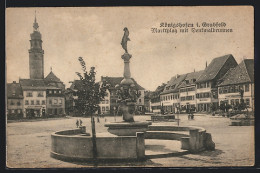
[[29, 94]]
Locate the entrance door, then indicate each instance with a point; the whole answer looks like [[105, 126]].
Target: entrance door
[[43, 112]]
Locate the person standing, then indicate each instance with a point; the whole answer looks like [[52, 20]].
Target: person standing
[[77, 123]]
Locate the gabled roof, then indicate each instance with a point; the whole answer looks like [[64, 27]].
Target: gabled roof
[[34, 84], [242, 73], [52, 77], [158, 91], [190, 77], [113, 81], [214, 68], [14, 91], [174, 84]]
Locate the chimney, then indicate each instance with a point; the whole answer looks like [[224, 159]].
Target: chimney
[[206, 64], [14, 81], [177, 76]]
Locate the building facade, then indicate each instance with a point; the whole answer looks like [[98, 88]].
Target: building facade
[[14, 101], [188, 91], [236, 79], [155, 102], [170, 97], [207, 91], [55, 100]]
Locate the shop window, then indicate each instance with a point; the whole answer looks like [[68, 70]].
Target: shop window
[[49, 111], [60, 111]]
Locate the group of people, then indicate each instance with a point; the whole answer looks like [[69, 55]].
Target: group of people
[[79, 123], [190, 113]]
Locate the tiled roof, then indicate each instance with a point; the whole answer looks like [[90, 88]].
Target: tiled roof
[[31, 84], [158, 91], [174, 84], [242, 73], [190, 77], [214, 67], [14, 91], [52, 77], [113, 81]]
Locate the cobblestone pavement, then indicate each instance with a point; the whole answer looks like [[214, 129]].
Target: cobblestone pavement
[[29, 144]]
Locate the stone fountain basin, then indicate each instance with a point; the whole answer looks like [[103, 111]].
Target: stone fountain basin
[[76, 145], [127, 128]]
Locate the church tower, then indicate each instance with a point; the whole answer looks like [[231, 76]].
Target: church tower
[[36, 62]]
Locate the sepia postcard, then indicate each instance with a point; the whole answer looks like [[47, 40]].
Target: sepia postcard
[[130, 87]]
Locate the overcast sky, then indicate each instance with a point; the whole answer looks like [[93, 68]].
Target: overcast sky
[[95, 34]]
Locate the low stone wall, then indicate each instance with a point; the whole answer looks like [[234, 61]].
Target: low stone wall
[[73, 144]]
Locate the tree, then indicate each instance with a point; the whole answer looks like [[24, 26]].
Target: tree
[[89, 97]]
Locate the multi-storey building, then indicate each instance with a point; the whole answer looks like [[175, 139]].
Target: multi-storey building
[[236, 79], [188, 90], [113, 81], [170, 97], [34, 92], [207, 94], [14, 100], [155, 99], [55, 100]]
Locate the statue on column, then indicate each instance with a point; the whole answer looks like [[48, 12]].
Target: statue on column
[[125, 39]]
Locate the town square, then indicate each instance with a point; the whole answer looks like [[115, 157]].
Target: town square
[[87, 93]]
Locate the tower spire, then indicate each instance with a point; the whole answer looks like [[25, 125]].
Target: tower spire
[[35, 24]]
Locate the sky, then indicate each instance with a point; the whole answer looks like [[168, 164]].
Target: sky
[[95, 34]]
